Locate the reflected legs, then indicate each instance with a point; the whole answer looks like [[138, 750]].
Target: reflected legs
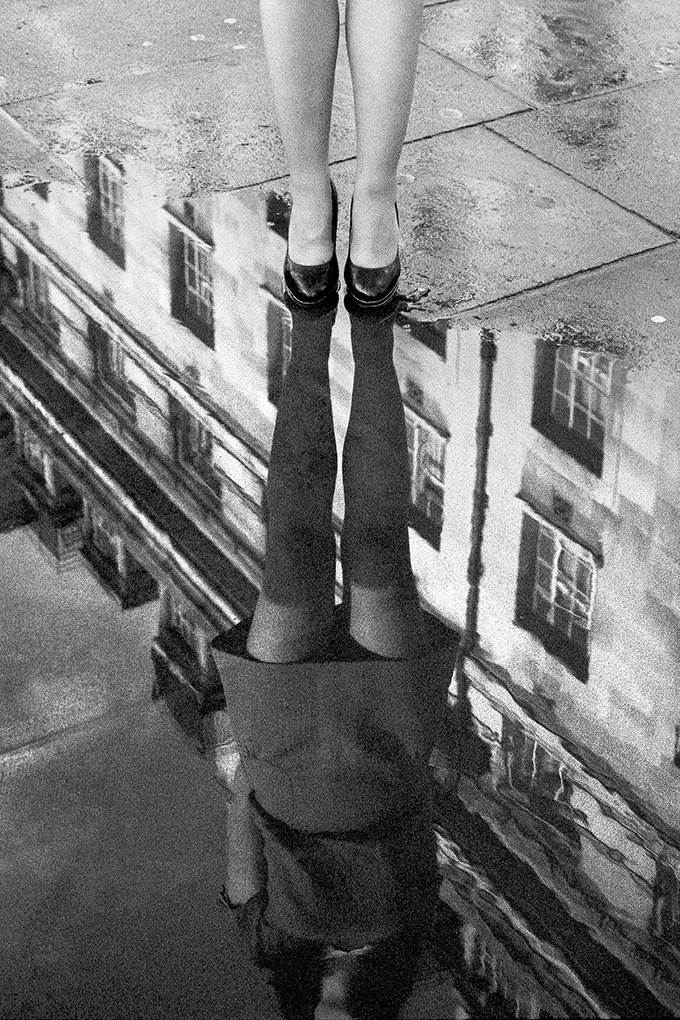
[[294, 611], [385, 615]]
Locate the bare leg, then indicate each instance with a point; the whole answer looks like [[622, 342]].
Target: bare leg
[[382, 43], [385, 614], [301, 44]]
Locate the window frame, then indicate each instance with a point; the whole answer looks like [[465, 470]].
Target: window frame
[[556, 642], [422, 477], [180, 235], [581, 447], [105, 178], [105, 342]]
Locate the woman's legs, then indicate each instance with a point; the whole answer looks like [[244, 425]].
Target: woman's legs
[[301, 43], [385, 615], [294, 611], [382, 43]]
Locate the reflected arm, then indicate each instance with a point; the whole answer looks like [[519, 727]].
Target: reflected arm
[[246, 867]]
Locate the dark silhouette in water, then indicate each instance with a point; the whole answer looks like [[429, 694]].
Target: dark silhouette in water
[[332, 870]]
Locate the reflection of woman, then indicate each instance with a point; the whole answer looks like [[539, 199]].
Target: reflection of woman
[[331, 868], [301, 42]]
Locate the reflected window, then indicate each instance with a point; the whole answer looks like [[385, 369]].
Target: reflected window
[[36, 285], [572, 388], [185, 628], [430, 334], [198, 287], [667, 904], [32, 454], [426, 451], [105, 539], [191, 264], [194, 448], [111, 365], [105, 209], [279, 348], [278, 214], [116, 568], [535, 776], [555, 593]]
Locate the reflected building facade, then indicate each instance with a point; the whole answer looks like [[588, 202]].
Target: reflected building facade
[[142, 360]]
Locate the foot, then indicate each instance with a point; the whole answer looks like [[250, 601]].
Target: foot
[[310, 235], [374, 232]]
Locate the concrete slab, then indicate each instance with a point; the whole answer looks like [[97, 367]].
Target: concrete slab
[[23, 161], [47, 47], [211, 125], [481, 219], [112, 856], [631, 308], [69, 654], [625, 144], [551, 51]]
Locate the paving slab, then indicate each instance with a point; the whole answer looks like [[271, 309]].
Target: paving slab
[[45, 47], [23, 161], [551, 51], [625, 144], [112, 842], [211, 125], [48, 46], [69, 654], [631, 308], [483, 220]]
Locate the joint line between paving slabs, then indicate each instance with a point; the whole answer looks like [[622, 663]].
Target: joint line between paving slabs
[[81, 725], [558, 279], [674, 235]]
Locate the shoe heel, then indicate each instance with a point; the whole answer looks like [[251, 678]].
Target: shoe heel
[[372, 288], [311, 286]]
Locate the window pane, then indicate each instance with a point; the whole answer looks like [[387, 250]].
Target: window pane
[[560, 409], [546, 546], [583, 576], [580, 422], [542, 606], [579, 636], [603, 372], [562, 380], [544, 577], [584, 364], [597, 435], [581, 393], [565, 356], [562, 620]]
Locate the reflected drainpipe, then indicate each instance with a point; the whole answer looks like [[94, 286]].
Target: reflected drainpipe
[[480, 503]]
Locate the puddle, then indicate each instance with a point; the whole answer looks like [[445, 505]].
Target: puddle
[[144, 349]]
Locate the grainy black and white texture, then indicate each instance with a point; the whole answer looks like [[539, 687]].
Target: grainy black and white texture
[[143, 351]]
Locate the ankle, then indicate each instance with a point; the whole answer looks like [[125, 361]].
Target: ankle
[[374, 228], [375, 191], [310, 187], [310, 231]]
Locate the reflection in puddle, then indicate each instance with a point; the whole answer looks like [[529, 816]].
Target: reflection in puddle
[[144, 350]]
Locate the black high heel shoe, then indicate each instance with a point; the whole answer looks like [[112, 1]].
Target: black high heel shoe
[[311, 286], [372, 288]]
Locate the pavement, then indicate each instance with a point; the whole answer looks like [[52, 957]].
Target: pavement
[[542, 144], [540, 180]]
